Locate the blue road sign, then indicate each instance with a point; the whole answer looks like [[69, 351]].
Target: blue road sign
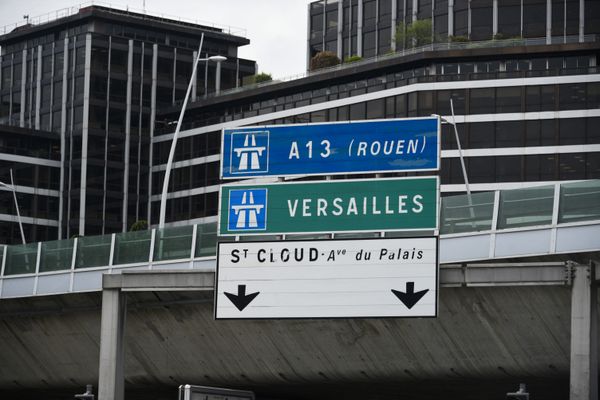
[[247, 210], [332, 148]]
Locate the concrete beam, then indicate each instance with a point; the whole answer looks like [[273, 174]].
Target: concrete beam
[[584, 333], [160, 280], [505, 274]]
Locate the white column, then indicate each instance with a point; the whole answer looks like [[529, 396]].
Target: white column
[[152, 123], [450, 17], [581, 20], [340, 28], [84, 130], [415, 10], [112, 338], [495, 17], [23, 82], [394, 23], [127, 135], [38, 89], [308, 27], [548, 21], [359, 35], [63, 140], [195, 82], [584, 333]]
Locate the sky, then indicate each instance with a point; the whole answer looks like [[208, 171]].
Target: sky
[[276, 28]]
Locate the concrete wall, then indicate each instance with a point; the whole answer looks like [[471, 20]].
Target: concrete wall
[[516, 333]]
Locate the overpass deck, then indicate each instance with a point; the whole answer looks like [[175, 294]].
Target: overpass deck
[[563, 218]]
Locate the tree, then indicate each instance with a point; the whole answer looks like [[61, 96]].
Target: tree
[[415, 34], [324, 59]]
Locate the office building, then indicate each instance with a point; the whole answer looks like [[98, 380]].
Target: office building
[[526, 109], [95, 78], [368, 27]]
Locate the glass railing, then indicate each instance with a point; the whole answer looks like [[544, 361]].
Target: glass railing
[[527, 208]]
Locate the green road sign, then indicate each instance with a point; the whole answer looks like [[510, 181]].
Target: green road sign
[[329, 206]]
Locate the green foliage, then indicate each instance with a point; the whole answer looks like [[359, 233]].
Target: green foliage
[[140, 225], [324, 59], [415, 34], [262, 77], [258, 78], [352, 59], [458, 39]]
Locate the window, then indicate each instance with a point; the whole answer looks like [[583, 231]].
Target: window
[[481, 19], [509, 18], [571, 131], [509, 134], [534, 21], [481, 101], [508, 99]]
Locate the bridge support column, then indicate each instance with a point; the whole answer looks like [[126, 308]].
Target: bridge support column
[[584, 333], [112, 336]]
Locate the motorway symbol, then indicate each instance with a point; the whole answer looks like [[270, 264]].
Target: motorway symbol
[[410, 144], [247, 210], [410, 297], [241, 299], [249, 152]]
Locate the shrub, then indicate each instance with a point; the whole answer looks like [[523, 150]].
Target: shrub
[[352, 59], [324, 59], [262, 77], [418, 33], [140, 225], [458, 39]]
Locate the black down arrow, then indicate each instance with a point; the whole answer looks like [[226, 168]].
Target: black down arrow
[[410, 298], [241, 300]]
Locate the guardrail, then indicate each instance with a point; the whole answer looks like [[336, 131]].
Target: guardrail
[[570, 203]]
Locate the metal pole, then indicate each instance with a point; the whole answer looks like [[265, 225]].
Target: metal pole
[[163, 198], [14, 190], [460, 154], [462, 164]]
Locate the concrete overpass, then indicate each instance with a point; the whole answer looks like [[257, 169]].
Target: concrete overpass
[[524, 315]]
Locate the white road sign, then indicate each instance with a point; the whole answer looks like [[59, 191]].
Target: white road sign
[[327, 278]]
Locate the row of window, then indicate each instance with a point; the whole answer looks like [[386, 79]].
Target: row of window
[[444, 72], [30, 205], [514, 19]]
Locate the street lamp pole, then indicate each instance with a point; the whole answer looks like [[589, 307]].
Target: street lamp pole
[[163, 198], [13, 189]]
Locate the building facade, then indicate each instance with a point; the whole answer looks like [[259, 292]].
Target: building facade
[[526, 113], [526, 109], [368, 27], [95, 79]]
